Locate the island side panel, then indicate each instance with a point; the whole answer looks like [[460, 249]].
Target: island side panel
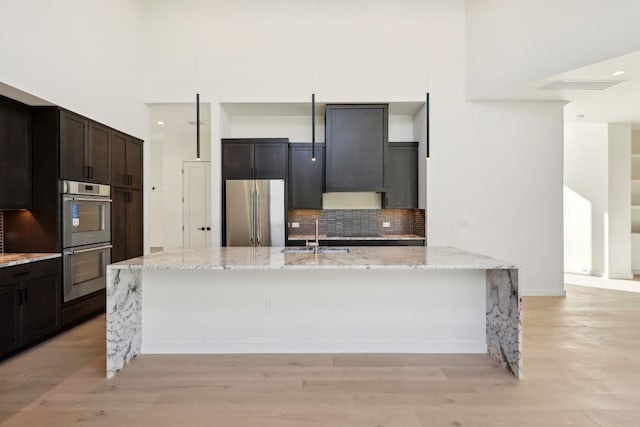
[[124, 317], [504, 323]]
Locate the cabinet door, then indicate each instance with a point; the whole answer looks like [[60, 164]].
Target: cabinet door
[[134, 224], [306, 177], [8, 318], [40, 307], [118, 159], [15, 156], [237, 161], [120, 197], [270, 160], [99, 160], [401, 175], [356, 142], [74, 131], [134, 163]]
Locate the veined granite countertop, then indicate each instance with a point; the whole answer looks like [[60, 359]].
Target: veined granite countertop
[[384, 237], [358, 258], [8, 260]]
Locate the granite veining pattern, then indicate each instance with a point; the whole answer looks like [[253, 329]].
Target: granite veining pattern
[[124, 318], [8, 260], [358, 258], [504, 324]]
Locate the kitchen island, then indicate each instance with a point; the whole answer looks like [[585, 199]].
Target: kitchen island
[[269, 300]]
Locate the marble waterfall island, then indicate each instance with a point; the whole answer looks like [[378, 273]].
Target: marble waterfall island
[[405, 299]]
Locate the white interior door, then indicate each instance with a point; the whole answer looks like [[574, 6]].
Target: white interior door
[[196, 205]]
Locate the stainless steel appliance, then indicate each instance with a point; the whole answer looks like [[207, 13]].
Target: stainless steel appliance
[[255, 212], [86, 213], [86, 237]]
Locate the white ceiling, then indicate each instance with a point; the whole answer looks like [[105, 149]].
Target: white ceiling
[[176, 118], [617, 104]]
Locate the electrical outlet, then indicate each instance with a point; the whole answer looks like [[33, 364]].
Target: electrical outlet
[[464, 222], [295, 225], [268, 305], [386, 224]]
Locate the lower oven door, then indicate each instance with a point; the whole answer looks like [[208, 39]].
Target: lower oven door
[[85, 269]]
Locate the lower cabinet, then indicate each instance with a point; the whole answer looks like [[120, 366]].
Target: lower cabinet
[[126, 224], [29, 303]]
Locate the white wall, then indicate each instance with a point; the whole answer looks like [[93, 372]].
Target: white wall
[[510, 43], [619, 199], [597, 178], [586, 178]]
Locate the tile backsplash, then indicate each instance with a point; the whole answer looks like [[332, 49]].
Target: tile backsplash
[[357, 222]]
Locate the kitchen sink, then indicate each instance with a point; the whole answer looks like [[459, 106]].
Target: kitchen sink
[[309, 250]]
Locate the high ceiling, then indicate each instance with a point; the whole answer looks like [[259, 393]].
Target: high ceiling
[[617, 104]]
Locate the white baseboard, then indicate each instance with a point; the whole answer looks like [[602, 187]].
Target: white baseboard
[[618, 276]]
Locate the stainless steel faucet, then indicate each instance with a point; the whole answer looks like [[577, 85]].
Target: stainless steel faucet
[[315, 243]]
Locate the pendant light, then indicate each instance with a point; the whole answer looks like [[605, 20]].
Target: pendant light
[[313, 127], [426, 107], [197, 126]]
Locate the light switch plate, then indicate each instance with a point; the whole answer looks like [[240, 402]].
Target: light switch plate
[[295, 225], [386, 224]]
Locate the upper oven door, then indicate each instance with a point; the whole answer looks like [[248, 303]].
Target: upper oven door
[[85, 220]]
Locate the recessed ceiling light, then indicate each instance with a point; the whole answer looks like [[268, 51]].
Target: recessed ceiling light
[[160, 122], [617, 73]]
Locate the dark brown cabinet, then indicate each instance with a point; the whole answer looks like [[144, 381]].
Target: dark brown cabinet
[[126, 161], [126, 224], [306, 177], [401, 175], [85, 149], [356, 143], [15, 155], [29, 303], [254, 158]]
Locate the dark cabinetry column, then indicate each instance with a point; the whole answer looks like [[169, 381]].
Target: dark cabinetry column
[[126, 224], [401, 175], [356, 143], [306, 177], [15, 156]]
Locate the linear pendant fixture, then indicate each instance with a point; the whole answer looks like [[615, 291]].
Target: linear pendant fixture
[[426, 107], [197, 126], [313, 127]]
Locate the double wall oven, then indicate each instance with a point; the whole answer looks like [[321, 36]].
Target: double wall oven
[[86, 237]]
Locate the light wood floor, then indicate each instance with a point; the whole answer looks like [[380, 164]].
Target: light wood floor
[[582, 368]]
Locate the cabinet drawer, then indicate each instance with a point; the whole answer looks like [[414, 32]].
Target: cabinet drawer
[[30, 270]]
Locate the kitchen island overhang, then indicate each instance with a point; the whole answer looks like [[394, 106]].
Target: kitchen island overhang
[[261, 300]]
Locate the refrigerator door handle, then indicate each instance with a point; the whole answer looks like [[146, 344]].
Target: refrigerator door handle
[[251, 216], [258, 219]]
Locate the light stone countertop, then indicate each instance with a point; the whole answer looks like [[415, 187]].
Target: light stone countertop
[[9, 260], [358, 258], [383, 237]]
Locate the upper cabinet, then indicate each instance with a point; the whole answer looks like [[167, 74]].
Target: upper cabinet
[[15, 155], [401, 175], [254, 158], [306, 177], [85, 149], [356, 144], [126, 161]]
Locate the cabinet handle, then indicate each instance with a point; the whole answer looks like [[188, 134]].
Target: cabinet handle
[[129, 197], [208, 228], [129, 179], [24, 296], [91, 172], [19, 296], [87, 171]]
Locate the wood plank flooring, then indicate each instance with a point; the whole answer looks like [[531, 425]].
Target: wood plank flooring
[[581, 368]]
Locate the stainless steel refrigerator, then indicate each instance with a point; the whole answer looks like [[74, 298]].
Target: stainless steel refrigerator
[[255, 212]]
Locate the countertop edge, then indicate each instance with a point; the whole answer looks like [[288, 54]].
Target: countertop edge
[[25, 258]]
